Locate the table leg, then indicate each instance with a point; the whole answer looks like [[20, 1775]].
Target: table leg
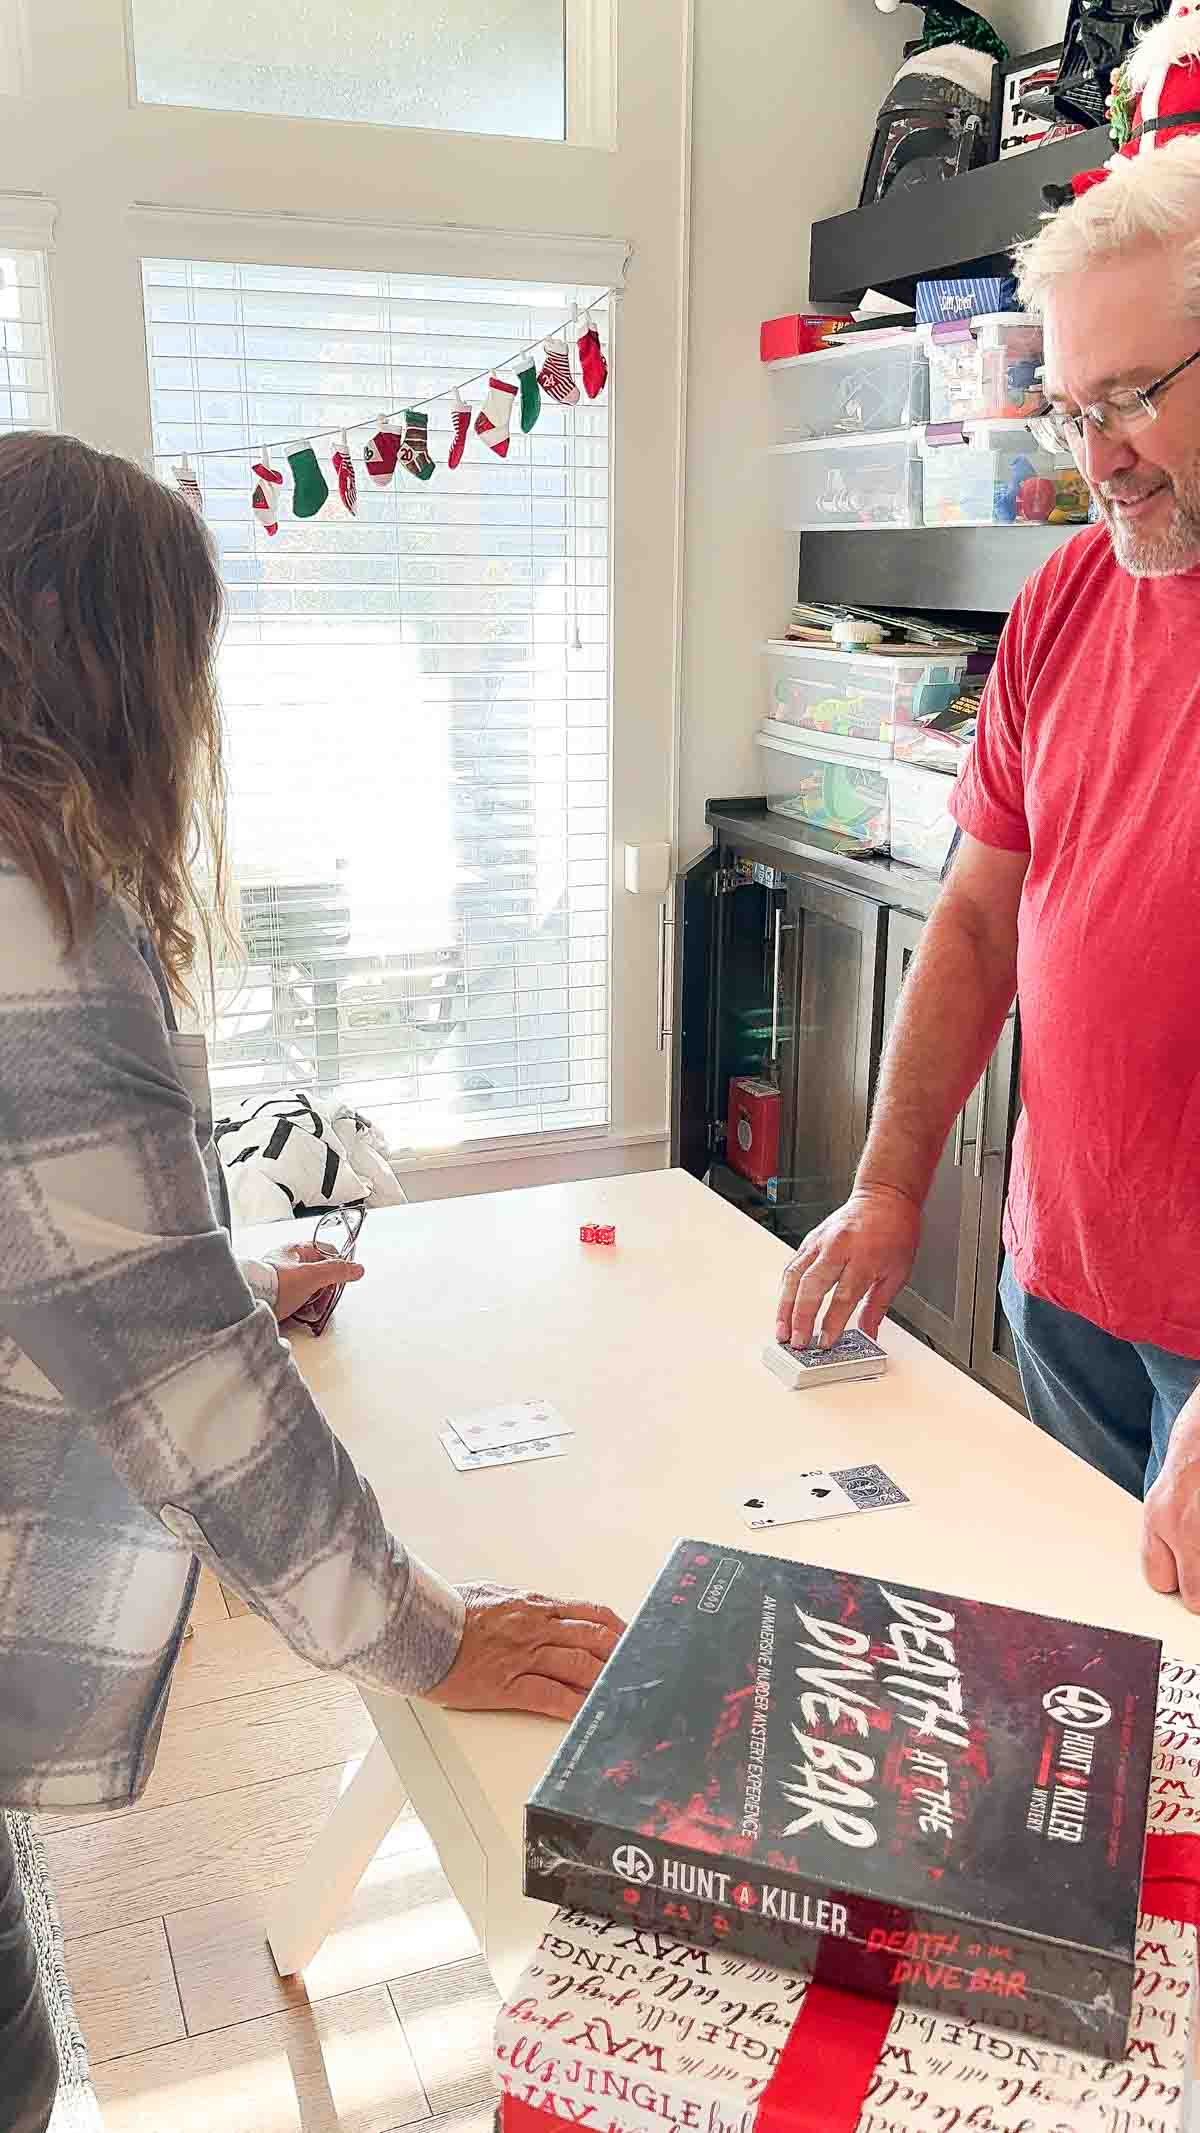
[[310, 1906]]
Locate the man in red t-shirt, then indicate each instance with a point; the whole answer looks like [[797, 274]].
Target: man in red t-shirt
[[1077, 884]]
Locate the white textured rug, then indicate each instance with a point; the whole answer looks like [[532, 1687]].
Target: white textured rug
[[76, 2110]]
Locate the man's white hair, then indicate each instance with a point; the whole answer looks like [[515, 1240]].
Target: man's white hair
[[1146, 200]]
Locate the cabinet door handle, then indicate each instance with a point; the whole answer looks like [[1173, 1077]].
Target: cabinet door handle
[[664, 1029], [775, 986], [959, 1130], [981, 1123]]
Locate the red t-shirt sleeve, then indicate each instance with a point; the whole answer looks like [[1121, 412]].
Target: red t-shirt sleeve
[[989, 799]]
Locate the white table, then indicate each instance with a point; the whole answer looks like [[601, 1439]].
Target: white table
[[652, 1352]]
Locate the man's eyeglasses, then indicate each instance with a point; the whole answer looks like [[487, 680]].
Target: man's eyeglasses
[[1124, 410], [336, 1237]]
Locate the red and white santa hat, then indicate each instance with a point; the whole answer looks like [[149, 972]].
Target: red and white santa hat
[[1156, 96]]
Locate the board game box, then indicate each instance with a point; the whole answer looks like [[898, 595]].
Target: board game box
[[898, 1792]]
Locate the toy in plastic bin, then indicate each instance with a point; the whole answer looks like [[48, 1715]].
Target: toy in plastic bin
[[335, 1237]]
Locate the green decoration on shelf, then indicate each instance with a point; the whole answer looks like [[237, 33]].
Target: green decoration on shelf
[[948, 23]]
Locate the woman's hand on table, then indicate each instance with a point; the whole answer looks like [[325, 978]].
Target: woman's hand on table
[[1171, 1517], [307, 1271], [524, 1652]]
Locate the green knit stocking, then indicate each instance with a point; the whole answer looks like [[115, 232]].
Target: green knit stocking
[[531, 394], [312, 489]]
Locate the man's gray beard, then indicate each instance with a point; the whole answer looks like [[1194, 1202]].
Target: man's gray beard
[[1166, 554]]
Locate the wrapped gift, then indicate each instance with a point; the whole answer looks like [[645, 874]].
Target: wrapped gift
[[620, 2029]]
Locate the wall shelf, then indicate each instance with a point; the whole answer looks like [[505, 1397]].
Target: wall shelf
[[963, 225], [975, 568]]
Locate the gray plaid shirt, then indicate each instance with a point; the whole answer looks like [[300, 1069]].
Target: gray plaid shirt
[[149, 1412]]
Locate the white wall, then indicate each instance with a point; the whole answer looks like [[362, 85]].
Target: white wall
[[1026, 25], [784, 100]]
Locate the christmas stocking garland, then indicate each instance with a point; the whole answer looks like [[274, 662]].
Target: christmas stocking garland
[[264, 501], [414, 451], [492, 421], [381, 455], [311, 489], [591, 361], [460, 423], [531, 394], [343, 467], [555, 378]]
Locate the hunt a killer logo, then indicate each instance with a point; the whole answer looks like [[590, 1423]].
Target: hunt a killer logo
[[685, 1878], [1058, 1805]]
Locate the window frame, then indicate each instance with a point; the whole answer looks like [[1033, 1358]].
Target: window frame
[[589, 87], [475, 254]]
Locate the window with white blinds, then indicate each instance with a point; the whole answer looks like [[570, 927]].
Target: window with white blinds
[[416, 700], [26, 374]]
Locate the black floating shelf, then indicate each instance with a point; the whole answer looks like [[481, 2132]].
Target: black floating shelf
[[962, 225], [978, 569]]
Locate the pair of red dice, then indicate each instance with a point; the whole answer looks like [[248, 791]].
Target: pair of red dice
[[597, 1233]]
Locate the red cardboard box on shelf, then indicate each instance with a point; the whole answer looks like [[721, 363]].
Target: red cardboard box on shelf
[[752, 1129], [800, 333]]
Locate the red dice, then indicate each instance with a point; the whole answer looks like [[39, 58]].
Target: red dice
[[597, 1233]]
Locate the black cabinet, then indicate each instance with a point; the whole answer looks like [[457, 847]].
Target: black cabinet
[[785, 971], [939, 1301], [836, 948], [993, 1357], [952, 1297]]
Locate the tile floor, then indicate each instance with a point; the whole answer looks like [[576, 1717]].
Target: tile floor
[[187, 2023]]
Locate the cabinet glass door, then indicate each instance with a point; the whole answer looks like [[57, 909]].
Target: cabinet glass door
[[832, 986], [939, 1300]]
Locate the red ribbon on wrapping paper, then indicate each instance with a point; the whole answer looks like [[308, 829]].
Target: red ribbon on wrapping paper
[[825, 2068]]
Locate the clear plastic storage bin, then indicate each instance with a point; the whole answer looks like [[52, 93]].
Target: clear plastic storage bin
[[931, 749], [857, 696], [1010, 353], [830, 785], [922, 827], [984, 367], [993, 474], [861, 385], [848, 481]]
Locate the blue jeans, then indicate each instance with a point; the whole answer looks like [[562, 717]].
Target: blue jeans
[[1112, 1402]]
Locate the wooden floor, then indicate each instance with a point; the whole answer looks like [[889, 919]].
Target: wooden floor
[[187, 2023]]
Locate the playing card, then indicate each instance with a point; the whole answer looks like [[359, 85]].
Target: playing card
[[869, 1487], [789, 1500], [518, 1423], [855, 1355], [501, 1454]]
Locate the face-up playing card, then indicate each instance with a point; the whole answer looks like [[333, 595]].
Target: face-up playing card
[[788, 1500], [494, 1428], [501, 1454]]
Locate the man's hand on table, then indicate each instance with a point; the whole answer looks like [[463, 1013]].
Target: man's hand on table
[[524, 1652], [861, 1254], [1171, 1518]]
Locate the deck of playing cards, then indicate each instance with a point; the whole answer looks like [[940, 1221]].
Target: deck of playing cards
[[505, 1436], [856, 1355]]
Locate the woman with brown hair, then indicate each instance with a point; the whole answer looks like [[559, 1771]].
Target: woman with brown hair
[[150, 1417]]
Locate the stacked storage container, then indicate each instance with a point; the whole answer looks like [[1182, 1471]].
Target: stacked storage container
[[828, 746], [846, 426]]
